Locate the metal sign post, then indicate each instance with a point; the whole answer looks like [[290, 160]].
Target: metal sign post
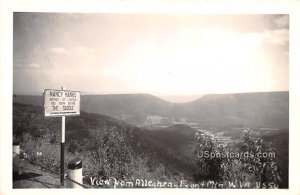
[[62, 149], [61, 103]]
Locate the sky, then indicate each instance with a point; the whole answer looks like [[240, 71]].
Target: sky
[[167, 55]]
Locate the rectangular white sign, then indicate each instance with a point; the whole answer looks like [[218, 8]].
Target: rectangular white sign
[[61, 102]]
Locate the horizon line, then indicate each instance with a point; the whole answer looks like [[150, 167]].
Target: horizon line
[[154, 94], [179, 99]]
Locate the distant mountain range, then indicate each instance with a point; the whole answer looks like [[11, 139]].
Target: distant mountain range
[[253, 110]]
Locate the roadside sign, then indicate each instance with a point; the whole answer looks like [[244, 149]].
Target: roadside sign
[[61, 103]]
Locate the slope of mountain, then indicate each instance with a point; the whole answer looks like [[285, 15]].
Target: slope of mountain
[[132, 107], [30, 118], [264, 109], [177, 142], [169, 147], [28, 99], [254, 110]]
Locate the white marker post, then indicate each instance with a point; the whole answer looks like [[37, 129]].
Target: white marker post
[[16, 158], [61, 103], [75, 173]]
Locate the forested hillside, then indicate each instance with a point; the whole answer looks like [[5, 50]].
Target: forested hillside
[[114, 148]]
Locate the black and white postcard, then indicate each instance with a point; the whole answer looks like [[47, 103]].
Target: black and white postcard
[[143, 100]]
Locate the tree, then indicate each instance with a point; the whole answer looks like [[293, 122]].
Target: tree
[[250, 160]]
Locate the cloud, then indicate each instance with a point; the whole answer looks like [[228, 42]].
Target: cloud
[[36, 61], [278, 36], [24, 65], [34, 65], [282, 22], [59, 50], [74, 52], [83, 51]]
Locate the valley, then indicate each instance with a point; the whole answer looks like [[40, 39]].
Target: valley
[[150, 142]]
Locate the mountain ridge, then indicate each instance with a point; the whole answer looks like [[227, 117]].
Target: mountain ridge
[[257, 110]]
